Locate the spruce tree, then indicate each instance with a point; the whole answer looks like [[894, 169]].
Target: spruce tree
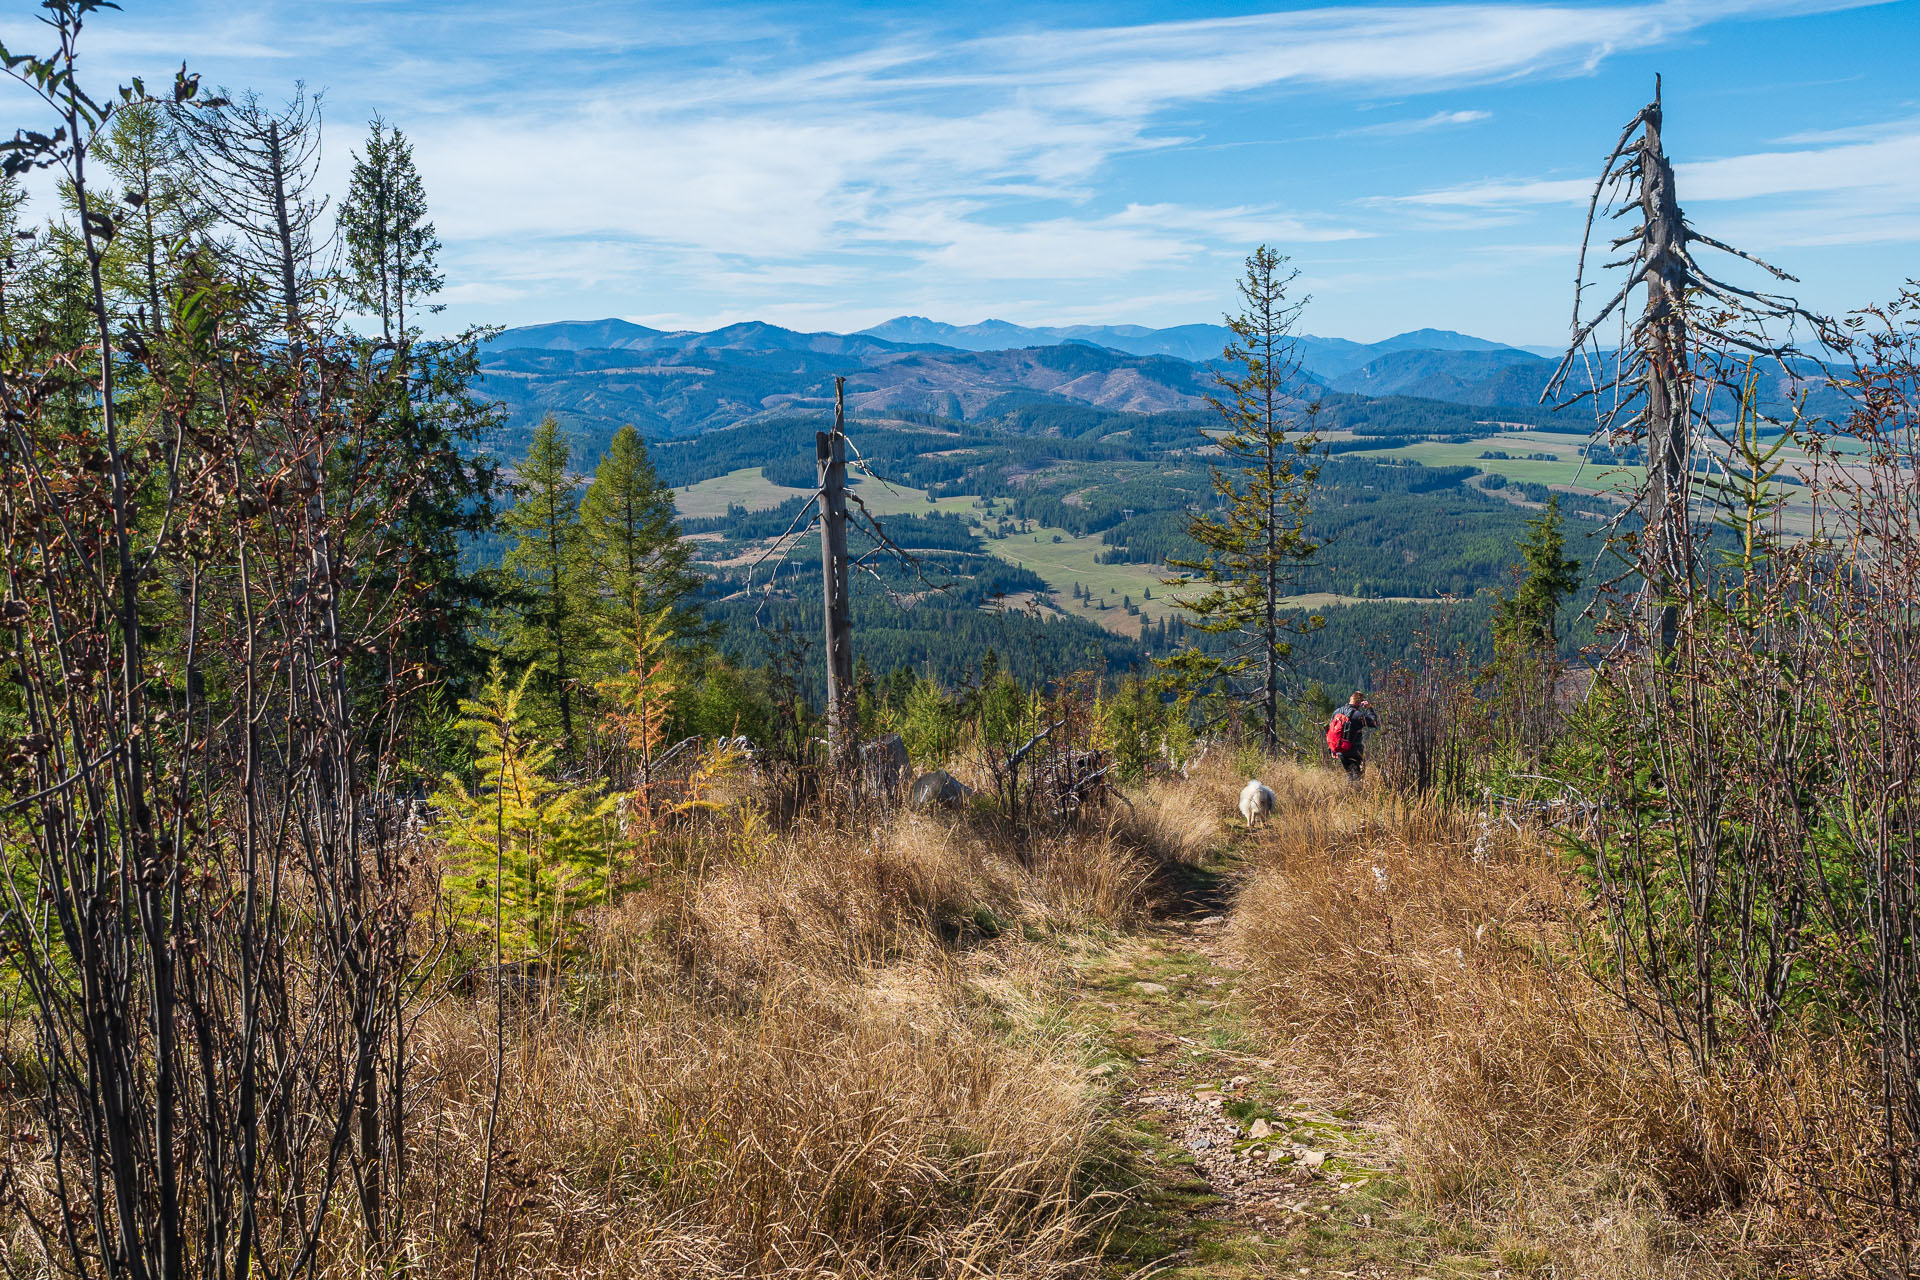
[[546, 573], [1528, 618], [1526, 666], [428, 415], [392, 249], [630, 539], [1254, 551]]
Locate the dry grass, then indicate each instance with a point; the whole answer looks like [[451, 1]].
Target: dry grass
[[1435, 968], [1171, 821], [839, 1129], [794, 1063]]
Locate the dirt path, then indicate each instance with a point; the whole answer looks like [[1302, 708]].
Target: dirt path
[[1234, 1167]]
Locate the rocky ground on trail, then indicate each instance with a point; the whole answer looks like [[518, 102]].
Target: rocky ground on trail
[[1236, 1165], [1271, 1161]]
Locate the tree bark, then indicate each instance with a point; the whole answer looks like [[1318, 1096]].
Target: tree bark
[[1669, 408], [830, 450]]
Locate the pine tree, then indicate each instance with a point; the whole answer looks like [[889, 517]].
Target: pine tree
[[1254, 551], [142, 152], [1528, 618], [392, 249], [545, 571], [630, 540], [521, 842]]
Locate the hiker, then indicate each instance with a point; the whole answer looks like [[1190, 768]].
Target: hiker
[[1346, 734]]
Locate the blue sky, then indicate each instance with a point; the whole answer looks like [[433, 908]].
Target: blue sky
[[828, 166]]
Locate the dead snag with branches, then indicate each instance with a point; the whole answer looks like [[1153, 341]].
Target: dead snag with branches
[[1655, 387], [836, 604], [1752, 748], [836, 509]]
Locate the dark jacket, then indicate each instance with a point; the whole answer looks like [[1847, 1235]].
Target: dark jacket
[[1362, 719]]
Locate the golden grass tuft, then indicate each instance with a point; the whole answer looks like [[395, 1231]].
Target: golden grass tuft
[[1172, 821], [833, 1130], [793, 1061], [1438, 970]]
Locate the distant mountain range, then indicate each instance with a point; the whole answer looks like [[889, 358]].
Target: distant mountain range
[[595, 376], [598, 374], [1323, 357]]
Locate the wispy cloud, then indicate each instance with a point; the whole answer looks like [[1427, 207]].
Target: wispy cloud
[[735, 151], [1862, 188], [978, 156], [1425, 124]]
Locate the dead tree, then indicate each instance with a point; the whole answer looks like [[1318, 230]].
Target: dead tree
[[831, 455], [837, 509], [1655, 387], [255, 171]]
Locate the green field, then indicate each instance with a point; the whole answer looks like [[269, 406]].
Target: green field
[[745, 487], [748, 488], [1069, 560], [899, 500], [1567, 472]]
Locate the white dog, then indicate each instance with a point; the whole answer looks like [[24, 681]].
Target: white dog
[[1256, 802]]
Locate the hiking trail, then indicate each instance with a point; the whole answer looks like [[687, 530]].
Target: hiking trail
[[1235, 1162]]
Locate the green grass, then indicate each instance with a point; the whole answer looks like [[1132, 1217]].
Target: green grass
[[1070, 559], [745, 487], [892, 499], [1076, 559], [1566, 471], [748, 488]]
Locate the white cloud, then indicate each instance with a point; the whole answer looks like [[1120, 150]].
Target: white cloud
[[630, 147], [1496, 195], [950, 153], [1424, 124], [1864, 188], [479, 293]]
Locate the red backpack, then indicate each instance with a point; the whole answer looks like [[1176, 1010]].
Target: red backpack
[[1342, 734]]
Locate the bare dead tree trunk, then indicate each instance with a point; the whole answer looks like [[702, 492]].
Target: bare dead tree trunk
[[830, 451], [1654, 392], [1667, 379]]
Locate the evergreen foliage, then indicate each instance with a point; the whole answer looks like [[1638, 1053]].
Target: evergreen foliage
[[630, 543], [550, 624], [392, 250], [1529, 618], [524, 846], [1253, 552], [142, 152]]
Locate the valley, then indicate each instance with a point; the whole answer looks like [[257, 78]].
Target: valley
[[1049, 485], [1046, 487]]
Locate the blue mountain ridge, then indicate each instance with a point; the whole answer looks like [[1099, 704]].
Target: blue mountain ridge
[[1330, 361]]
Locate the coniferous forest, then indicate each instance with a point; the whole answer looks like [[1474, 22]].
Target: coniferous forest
[[586, 799]]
